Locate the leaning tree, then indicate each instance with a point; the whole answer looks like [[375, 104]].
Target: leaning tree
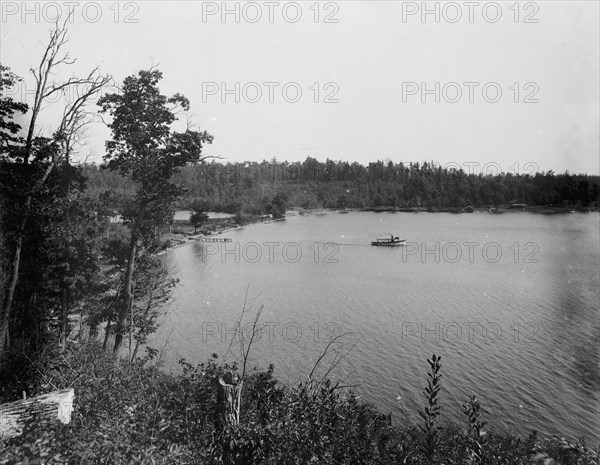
[[145, 148]]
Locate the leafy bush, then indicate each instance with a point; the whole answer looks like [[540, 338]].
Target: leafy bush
[[135, 413]]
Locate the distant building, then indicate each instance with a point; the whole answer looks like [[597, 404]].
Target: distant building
[[515, 204], [468, 209], [115, 218]]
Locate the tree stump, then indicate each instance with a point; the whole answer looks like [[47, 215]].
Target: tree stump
[[227, 400], [54, 405]]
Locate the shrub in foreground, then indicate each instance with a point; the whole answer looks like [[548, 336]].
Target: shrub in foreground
[[135, 413]]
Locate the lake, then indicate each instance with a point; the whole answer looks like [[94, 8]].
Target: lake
[[509, 301]]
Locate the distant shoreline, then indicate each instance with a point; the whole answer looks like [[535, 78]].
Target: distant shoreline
[[181, 239], [529, 209]]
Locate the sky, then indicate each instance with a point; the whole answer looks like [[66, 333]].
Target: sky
[[486, 86]]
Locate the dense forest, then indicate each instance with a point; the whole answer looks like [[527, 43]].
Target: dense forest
[[249, 187], [59, 254], [81, 295]]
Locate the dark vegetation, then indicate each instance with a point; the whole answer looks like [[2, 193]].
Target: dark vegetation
[[254, 188], [80, 296], [135, 413]]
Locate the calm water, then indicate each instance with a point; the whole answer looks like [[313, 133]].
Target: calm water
[[509, 301]]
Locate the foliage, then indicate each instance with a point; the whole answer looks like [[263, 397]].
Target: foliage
[[153, 290], [37, 184], [233, 187], [477, 438], [432, 410], [280, 203], [9, 109], [145, 150], [136, 413], [197, 219]]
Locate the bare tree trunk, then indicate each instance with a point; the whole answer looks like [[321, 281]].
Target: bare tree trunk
[[127, 296], [135, 350], [64, 316], [10, 291], [144, 317], [16, 264], [64, 311], [107, 333], [110, 319], [130, 333], [131, 308]]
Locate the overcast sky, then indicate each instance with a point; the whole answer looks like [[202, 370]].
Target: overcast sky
[[369, 74]]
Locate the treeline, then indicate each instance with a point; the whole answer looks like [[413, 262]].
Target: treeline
[[249, 187]]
